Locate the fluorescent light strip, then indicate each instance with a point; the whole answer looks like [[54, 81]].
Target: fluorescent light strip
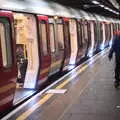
[[97, 3]]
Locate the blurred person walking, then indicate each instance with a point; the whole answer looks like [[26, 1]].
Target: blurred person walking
[[115, 48]]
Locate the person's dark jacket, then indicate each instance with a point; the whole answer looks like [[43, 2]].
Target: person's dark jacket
[[115, 47]]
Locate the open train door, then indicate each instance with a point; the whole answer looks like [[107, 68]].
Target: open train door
[[44, 48], [73, 41], [67, 50], [8, 68]]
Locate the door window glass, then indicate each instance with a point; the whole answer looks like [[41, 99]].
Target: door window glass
[[5, 41], [52, 38], [80, 34], [67, 34], [85, 33], [92, 35], [60, 36], [44, 37]]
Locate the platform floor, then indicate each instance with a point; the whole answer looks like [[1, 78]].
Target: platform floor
[[90, 96]]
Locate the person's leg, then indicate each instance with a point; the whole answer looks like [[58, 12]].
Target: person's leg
[[117, 72]]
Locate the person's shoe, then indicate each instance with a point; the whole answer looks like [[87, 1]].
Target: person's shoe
[[116, 84]]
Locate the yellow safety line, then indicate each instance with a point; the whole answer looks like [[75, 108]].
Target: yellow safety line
[[48, 96]]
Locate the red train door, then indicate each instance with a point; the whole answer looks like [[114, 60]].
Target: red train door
[[8, 69], [67, 50], [56, 44], [91, 49], [73, 42], [44, 48], [80, 53], [85, 37]]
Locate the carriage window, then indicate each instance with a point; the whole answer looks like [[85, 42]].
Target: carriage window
[[44, 37], [52, 38], [5, 43], [60, 36]]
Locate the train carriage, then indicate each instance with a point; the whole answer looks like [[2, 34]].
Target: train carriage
[[48, 38]]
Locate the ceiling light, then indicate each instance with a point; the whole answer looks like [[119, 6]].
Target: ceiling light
[[95, 2], [101, 5]]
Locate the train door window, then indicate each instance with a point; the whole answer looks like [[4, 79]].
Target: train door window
[[67, 35], [106, 31], [60, 35], [52, 37], [117, 26], [5, 41], [109, 29], [112, 31], [96, 33], [101, 32], [82, 30], [103, 28], [80, 34], [43, 35], [85, 32], [113, 28], [92, 34]]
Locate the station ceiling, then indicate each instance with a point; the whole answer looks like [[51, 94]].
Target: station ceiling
[[94, 6]]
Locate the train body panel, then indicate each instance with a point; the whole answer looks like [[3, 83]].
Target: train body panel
[[44, 48], [8, 68]]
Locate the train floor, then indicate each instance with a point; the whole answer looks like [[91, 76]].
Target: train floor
[[86, 93]]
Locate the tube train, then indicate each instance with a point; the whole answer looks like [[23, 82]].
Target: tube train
[[39, 39]]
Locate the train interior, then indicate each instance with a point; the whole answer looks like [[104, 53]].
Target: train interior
[[25, 32]]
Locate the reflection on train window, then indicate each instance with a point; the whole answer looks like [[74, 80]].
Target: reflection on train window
[[52, 38], [82, 30], [60, 36], [67, 34], [86, 31], [66, 29], [80, 34], [101, 32], [92, 34], [85, 36], [44, 38], [5, 43]]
